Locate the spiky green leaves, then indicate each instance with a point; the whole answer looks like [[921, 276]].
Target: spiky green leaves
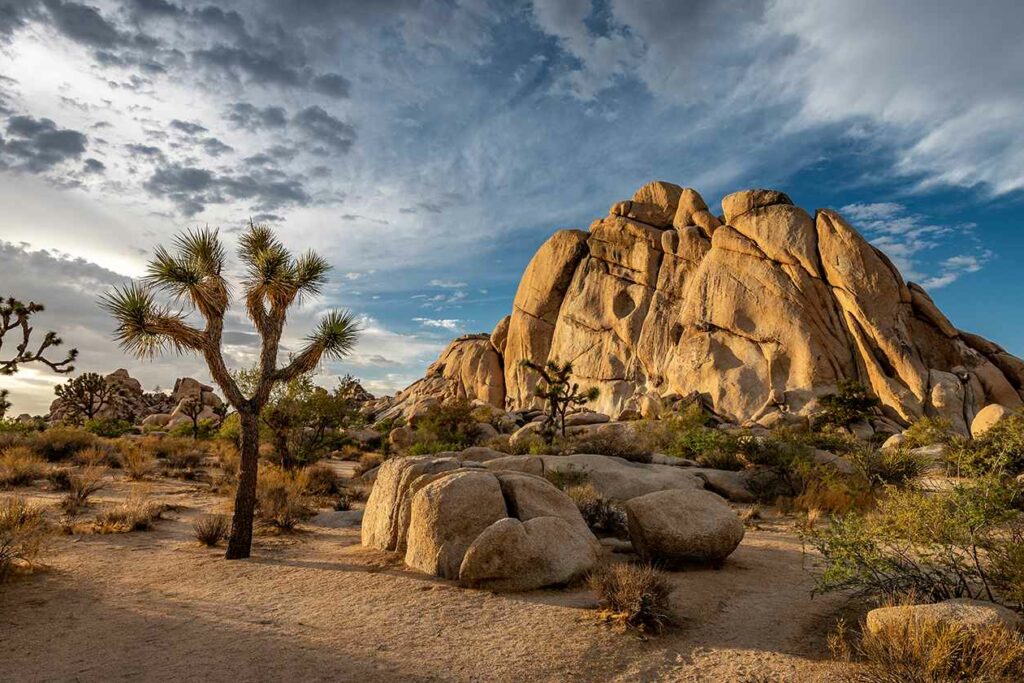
[[144, 328], [336, 334], [273, 276], [193, 272]]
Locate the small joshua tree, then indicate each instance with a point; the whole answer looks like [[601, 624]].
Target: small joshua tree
[[560, 394], [273, 281], [86, 396], [4, 403], [192, 408], [16, 315]]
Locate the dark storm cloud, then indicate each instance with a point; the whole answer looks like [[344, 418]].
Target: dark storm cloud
[[215, 147], [156, 8], [251, 117], [188, 127], [259, 68], [238, 338], [323, 129], [38, 144], [13, 15], [192, 188], [332, 85], [83, 24], [145, 151], [94, 166]]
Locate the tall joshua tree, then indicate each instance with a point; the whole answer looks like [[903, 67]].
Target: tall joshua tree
[[193, 276]]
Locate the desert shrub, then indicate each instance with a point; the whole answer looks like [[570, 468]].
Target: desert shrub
[[20, 466], [618, 443], [852, 402], [567, 478], [81, 487], [367, 461], [938, 546], [137, 463], [930, 651], [108, 427], [598, 512], [137, 513], [633, 595], [59, 479], [211, 529], [999, 451], [230, 429], [831, 494], [343, 502], [281, 499], [890, 466], [928, 431], [23, 531], [449, 426], [689, 434], [321, 480], [721, 460], [62, 443], [204, 429], [180, 456], [99, 455]]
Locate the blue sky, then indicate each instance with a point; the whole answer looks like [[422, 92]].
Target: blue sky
[[428, 148]]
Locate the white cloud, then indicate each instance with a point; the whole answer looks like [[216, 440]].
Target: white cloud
[[450, 324]]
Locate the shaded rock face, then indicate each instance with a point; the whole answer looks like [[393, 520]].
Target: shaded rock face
[[760, 311]]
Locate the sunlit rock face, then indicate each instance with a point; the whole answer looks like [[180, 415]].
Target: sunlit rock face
[[759, 310]]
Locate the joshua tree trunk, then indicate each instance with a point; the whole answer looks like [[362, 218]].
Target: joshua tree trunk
[[240, 541]]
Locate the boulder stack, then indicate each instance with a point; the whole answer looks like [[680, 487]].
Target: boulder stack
[[759, 311]]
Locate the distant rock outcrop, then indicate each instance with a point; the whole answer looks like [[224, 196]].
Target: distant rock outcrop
[[760, 311]]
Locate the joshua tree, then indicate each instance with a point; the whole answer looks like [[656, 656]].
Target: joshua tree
[[192, 408], [15, 315], [4, 403], [273, 281], [85, 396], [559, 392]]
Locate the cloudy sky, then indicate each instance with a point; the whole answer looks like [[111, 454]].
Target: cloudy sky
[[427, 148]]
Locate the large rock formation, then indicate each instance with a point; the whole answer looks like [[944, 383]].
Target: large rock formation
[[760, 310], [132, 404]]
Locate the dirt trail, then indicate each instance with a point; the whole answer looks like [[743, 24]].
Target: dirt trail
[[318, 607]]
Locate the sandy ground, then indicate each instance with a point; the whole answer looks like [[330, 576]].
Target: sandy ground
[[315, 606]]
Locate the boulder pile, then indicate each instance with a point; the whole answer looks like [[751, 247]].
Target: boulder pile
[[759, 310]]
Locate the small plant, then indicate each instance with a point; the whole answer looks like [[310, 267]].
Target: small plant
[[100, 455], [889, 467], [59, 479], [852, 402], [82, 487], [559, 393], [138, 464], [20, 466], [61, 443], [598, 512], [321, 480], [211, 529], [23, 531], [930, 651], [135, 514], [614, 442], [368, 461], [281, 500], [634, 595], [567, 478], [928, 431]]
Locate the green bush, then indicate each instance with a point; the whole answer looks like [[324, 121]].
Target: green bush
[[889, 467], [928, 431], [933, 545], [449, 426], [206, 429], [852, 402], [62, 443], [109, 428], [998, 451]]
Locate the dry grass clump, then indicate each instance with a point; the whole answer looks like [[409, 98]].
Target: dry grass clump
[[137, 513], [81, 486], [137, 464], [59, 478], [635, 596], [281, 499], [321, 480], [931, 651], [598, 512], [211, 529], [61, 443], [617, 443], [367, 461], [889, 467], [23, 532], [20, 466], [101, 454]]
